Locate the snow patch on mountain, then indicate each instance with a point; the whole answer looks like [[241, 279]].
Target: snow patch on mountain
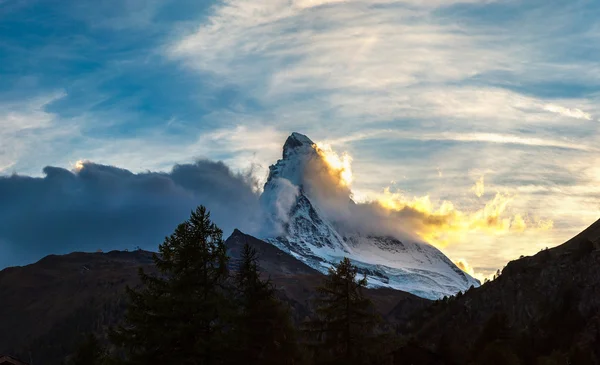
[[304, 232]]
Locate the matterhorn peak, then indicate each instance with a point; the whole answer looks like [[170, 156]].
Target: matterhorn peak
[[309, 226], [298, 139], [295, 142], [298, 150]]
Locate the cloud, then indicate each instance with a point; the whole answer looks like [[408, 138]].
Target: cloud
[[393, 213], [479, 187], [573, 113], [29, 115], [105, 207], [444, 224], [377, 61], [467, 137], [480, 275], [464, 266], [25, 121], [7, 166], [340, 166], [509, 139], [279, 202]]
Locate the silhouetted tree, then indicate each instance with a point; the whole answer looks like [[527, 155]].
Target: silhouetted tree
[[181, 316], [497, 353], [89, 352], [263, 328], [497, 274], [345, 323], [496, 328], [495, 343]]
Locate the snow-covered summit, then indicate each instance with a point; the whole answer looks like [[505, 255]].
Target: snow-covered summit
[[305, 232], [297, 140], [298, 150]]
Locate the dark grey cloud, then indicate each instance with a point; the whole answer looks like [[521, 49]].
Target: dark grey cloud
[[105, 207]]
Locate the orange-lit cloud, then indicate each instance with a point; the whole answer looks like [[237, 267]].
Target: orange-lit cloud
[[79, 165], [466, 267], [443, 224], [438, 223], [340, 166]]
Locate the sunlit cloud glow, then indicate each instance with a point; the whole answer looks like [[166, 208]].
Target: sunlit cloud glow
[[466, 267], [479, 187], [442, 223], [340, 166]]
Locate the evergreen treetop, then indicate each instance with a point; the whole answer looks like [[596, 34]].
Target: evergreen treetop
[[264, 332], [181, 315], [344, 329]]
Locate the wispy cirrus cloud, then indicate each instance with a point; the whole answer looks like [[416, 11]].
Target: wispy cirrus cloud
[[428, 94], [410, 88], [397, 63], [495, 138], [30, 114], [567, 112], [27, 124]]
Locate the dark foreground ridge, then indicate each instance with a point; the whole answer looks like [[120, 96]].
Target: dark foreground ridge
[[48, 305], [543, 309]]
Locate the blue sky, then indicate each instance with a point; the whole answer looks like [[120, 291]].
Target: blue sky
[[426, 96]]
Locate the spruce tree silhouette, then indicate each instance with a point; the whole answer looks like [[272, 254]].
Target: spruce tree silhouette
[[344, 329], [181, 316]]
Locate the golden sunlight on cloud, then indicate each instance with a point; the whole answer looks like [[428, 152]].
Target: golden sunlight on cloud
[[440, 224], [466, 267], [479, 187], [79, 165], [443, 224], [340, 166]]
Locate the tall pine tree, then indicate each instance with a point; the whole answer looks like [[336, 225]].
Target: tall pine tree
[[181, 315], [264, 331], [88, 352], [344, 330]]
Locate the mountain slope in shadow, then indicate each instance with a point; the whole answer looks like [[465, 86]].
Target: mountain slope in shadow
[[47, 305]]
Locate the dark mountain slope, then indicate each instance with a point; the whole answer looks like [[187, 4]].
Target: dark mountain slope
[[541, 305], [46, 306], [297, 281]]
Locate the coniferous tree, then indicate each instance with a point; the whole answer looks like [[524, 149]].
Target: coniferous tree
[[264, 331], [346, 323], [89, 352], [181, 315]]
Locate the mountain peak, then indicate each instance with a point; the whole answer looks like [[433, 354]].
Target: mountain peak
[[304, 230], [297, 151], [300, 138], [294, 141]]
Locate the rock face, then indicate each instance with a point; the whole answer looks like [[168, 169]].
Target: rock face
[[306, 233]]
